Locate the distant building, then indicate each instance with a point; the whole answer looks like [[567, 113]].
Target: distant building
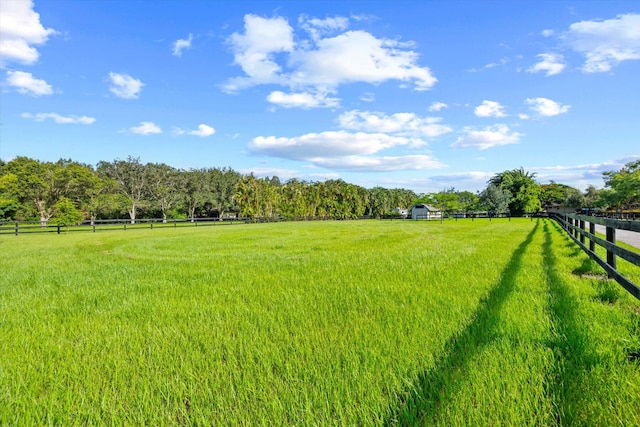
[[424, 211], [402, 212]]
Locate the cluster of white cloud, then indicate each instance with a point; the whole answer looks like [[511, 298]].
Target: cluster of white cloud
[[125, 86], [270, 52], [358, 145], [146, 128], [437, 106], [26, 84], [20, 30], [604, 44], [60, 119], [500, 134], [202, 131], [489, 137], [312, 61], [551, 64], [365, 134], [401, 124], [489, 109], [542, 107], [547, 107], [302, 100], [150, 128], [182, 44]]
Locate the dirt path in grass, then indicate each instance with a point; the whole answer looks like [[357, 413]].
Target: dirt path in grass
[[629, 237]]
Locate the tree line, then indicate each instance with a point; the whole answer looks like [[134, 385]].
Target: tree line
[[68, 192]]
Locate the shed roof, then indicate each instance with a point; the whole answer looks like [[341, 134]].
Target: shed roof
[[430, 208]]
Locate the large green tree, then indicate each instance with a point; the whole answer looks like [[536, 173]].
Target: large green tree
[[9, 196], [35, 189], [132, 180], [495, 198], [622, 187], [166, 186], [195, 190], [554, 194], [523, 190]]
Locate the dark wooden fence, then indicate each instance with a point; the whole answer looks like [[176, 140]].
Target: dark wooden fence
[[27, 227], [30, 227], [575, 225]]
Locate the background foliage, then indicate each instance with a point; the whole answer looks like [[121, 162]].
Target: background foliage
[[36, 190]]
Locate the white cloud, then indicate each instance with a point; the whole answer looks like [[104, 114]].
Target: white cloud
[[380, 163], [302, 100], [344, 150], [551, 63], [489, 109], [368, 97], [606, 43], [40, 117], [27, 84], [181, 44], [254, 50], [319, 27], [437, 106], [582, 175], [547, 33], [20, 29], [401, 124], [547, 107], [357, 56], [503, 61], [125, 86], [492, 136], [202, 131], [325, 144], [146, 128], [322, 63]]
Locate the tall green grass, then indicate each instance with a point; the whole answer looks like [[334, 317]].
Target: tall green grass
[[320, 323]]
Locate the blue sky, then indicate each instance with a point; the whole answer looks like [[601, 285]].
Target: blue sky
[[425, 95]]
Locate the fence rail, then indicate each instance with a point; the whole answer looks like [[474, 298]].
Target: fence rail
[[575, 226], [31, 227], [24, 227]]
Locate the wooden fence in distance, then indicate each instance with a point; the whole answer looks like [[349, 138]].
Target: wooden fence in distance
[[575, 225], [28, 227]]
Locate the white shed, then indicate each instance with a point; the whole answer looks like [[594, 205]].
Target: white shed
[[424, 211]]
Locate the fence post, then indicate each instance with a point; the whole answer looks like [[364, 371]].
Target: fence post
[[611, 238], [17, 227], [58, 229], [151, 222], [592, 230], [175, 223], [582, 229]]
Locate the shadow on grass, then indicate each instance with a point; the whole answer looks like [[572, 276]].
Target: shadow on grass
[[420, 404], [569, 342], [589, 267]]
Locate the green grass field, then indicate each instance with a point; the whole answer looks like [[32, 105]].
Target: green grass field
[[316, 323]]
